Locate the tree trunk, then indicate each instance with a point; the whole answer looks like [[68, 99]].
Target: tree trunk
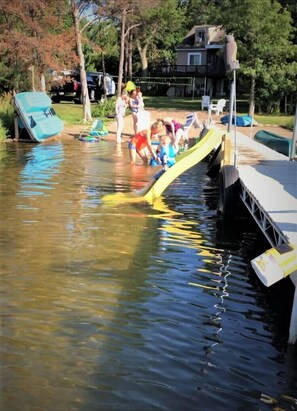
[[126, 64], [252, 97], [143, 57], [42, 82], [122, 52], [82, 69], [104, 76], [130, 55]]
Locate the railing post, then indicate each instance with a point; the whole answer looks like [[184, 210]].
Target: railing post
[[294, 138]]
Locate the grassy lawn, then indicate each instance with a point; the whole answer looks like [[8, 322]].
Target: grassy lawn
[[70, 113], [188, 104], [73, 113]]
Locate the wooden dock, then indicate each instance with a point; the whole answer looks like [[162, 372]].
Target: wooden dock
[[268, 188]]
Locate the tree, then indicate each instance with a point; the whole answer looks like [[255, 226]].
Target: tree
[[161, 26], [119, 10], [33, 37], [199, 12], [77, 8], [105, 34], [263, 32]]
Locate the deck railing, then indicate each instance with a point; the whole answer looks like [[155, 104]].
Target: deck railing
[[210, 70]]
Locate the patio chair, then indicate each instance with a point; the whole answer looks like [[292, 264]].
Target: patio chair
[[205, 102], [191, 120], [218, 107], [97, 129]]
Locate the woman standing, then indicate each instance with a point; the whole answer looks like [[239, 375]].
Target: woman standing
[[120, 109]]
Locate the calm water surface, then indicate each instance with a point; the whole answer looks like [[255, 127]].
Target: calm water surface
[[130, 306]]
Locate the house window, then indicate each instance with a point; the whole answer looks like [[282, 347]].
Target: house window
[[199, 36], [194, 59]]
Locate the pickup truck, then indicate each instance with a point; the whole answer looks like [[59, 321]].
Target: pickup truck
[[67, 86]]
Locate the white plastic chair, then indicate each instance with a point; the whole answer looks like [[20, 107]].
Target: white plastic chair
[[190, 121], [205, 102], [217, 108]]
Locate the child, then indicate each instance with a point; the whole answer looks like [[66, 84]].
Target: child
[[134, 107], [166, 155], [139, 98], [141, 142]]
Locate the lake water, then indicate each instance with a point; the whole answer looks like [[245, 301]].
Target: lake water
[[131, 306]]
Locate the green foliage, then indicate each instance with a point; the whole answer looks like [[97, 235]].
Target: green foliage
[[6, 117], [263, 32], [160, 29], [104, 108], [200, 12], [102, 39]]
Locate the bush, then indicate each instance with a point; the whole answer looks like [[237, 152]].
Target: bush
[[6, 116], [104, 108]]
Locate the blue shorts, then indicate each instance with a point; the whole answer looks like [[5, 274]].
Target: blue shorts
[[131, 146], [154, 162]]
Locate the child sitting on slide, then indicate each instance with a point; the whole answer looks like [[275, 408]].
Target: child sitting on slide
[[166, 155]]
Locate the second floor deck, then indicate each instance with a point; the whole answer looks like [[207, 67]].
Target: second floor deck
[[207, 70]]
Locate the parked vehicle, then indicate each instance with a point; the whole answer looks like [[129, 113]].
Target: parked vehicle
[[67, 86]]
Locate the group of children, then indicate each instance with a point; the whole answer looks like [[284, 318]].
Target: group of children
[[166, 133]]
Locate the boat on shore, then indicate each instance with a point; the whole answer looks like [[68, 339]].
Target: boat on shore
[[35, 116]]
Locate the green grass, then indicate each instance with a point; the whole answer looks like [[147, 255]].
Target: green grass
[[282, 121], [70, 113], [189, 104]]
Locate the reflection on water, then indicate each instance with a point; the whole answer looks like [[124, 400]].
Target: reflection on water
[[131, 306]]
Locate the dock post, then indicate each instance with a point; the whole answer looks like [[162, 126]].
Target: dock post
[[293, 322], [16, 128]]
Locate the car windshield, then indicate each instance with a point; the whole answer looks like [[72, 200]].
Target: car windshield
[[92, 78]]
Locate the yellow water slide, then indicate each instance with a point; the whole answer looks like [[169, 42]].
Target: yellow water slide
[[184, 161]]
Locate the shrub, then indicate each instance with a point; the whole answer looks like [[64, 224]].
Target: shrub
[[6, 116], [104, 108]]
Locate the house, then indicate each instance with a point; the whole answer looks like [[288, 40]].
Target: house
[[200, 62]]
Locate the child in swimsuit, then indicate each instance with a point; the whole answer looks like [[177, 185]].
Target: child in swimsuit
[[139, 98], [134, 107], [166, 155]]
